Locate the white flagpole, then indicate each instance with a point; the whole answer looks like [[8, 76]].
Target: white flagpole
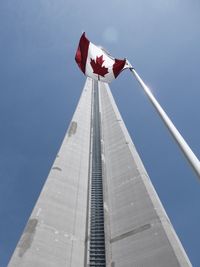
[[193, 160]]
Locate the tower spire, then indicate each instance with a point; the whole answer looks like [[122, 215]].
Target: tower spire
[[98, 206]]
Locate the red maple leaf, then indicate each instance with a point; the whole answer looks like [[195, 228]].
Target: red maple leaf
[[97, 66]]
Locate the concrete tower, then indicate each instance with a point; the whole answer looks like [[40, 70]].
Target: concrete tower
[[98, 206]]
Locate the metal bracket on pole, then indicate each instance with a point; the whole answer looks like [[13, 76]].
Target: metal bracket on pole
[[189, 154]]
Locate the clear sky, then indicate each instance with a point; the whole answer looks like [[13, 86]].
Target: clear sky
[[40, 85]]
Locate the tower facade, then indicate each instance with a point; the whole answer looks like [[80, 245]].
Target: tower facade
[[98, 206]]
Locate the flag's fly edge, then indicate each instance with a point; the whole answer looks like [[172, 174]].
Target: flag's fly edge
[[82, 52]]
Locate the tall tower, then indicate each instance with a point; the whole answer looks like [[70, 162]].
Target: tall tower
[[98, 206]]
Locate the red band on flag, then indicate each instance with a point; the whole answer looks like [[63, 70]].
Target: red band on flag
[[118, 66], [82, 52]]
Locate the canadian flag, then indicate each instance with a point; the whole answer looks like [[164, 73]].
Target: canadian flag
[[96, 63]]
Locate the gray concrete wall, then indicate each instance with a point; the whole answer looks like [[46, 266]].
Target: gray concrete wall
[[138, 231], [55, 233]]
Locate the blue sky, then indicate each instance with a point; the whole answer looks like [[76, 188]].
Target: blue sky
[[40, 85]]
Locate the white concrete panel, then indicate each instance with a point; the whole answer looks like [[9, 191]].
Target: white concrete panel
[[55, 233], [138, 231]]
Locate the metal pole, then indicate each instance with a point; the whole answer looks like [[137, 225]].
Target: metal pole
[[191, 157]]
